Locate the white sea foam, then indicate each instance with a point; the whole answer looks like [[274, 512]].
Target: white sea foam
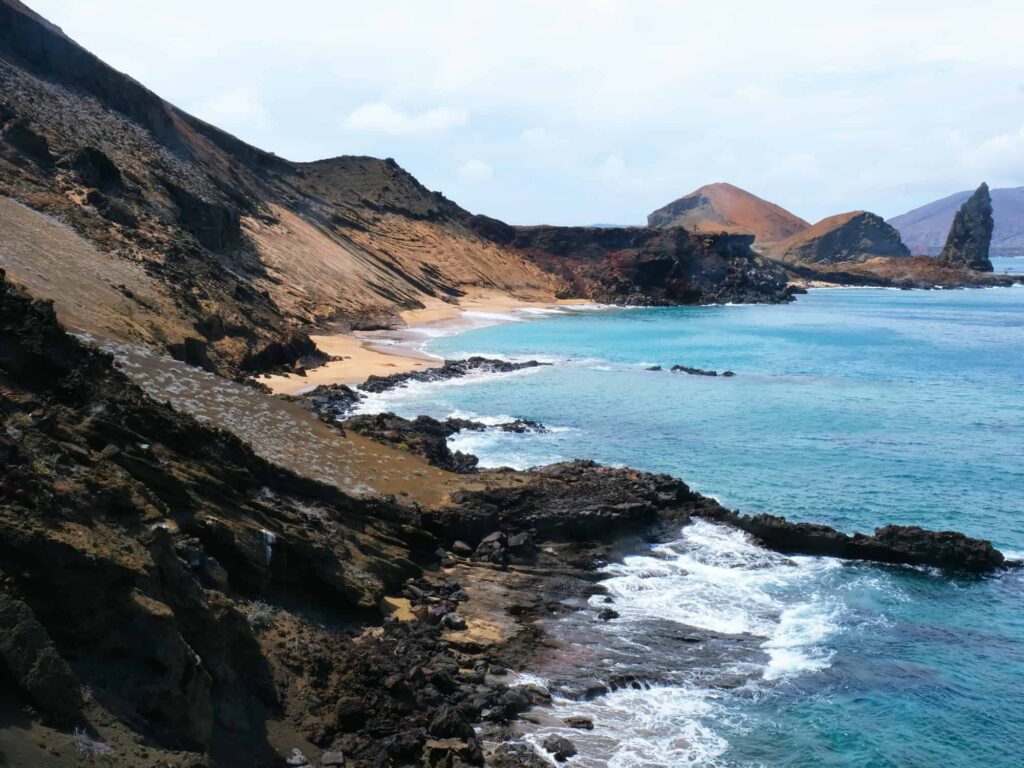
[[668, 726], [716, 578]]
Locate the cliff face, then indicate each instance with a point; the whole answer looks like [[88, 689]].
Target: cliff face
[[970, 235], [847, 237], [208, 247], [724, 208], [642, 265]]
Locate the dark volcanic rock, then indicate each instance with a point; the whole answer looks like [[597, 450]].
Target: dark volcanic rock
[[423, 435], [559, 747], [697, 371], [451, 369], [96, 170], [846, 237], [649, 266], [971, 234], [899, 544]]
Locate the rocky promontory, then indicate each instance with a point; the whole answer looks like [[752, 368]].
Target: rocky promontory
[[970, 235]]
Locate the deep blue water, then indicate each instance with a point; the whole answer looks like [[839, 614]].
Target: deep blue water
[[850, 407]]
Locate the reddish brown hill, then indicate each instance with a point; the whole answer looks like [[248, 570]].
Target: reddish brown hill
[[854, 236], [722, 207]]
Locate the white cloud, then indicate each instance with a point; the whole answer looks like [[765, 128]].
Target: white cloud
[[382, 117], [612, 169], [536, 138], [1002, 153], [906, 101], [475, 170]]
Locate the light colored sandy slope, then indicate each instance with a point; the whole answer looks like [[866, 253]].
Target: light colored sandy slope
[[315, 271], [722, 207], [54, 262]]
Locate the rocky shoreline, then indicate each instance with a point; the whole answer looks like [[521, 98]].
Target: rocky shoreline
[[170, 598]]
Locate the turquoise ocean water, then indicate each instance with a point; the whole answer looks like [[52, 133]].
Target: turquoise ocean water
[[850, 407]]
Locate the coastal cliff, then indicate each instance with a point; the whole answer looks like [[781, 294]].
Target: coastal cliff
[[645, 265], [181, 601]]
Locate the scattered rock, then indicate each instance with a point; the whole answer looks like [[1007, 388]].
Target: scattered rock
[[332, 758], [453, 621], [559, 747], [296, 759]]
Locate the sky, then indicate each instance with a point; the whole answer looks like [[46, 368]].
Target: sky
[[599, 111]]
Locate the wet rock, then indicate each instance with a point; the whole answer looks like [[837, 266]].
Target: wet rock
[[537, 694], [607, 614], [899, 544], [559, 747], [516, 755], [654, 368], [582, 723], [693, 371], [521, 426], [970, 235], [451, 369], [423, 435]]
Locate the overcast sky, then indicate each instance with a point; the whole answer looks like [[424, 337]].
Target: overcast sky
[[599, 111]]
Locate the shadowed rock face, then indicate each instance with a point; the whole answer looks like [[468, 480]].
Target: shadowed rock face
[[648, 266], [971, 234], [847, 237]]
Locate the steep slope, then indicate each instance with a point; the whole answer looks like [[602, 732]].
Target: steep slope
[[971, 233], [233, 252], [722, 207], [846, 237], [924, 229]]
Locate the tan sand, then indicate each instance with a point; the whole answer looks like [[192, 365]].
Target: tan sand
[[365, 354]]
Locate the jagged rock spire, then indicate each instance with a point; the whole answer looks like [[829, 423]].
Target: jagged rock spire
[[971, 234]]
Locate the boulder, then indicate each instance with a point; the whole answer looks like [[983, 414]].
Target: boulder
[[559, 747]]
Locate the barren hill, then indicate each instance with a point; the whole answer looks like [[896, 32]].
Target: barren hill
[[173, 233], [722, 207], [924, 229], [855, 236]]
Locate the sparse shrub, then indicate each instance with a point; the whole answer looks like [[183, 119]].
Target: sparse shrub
[[90, 750], [261, 615], [403, 446]]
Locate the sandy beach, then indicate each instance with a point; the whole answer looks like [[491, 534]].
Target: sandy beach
[[380, 353]]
